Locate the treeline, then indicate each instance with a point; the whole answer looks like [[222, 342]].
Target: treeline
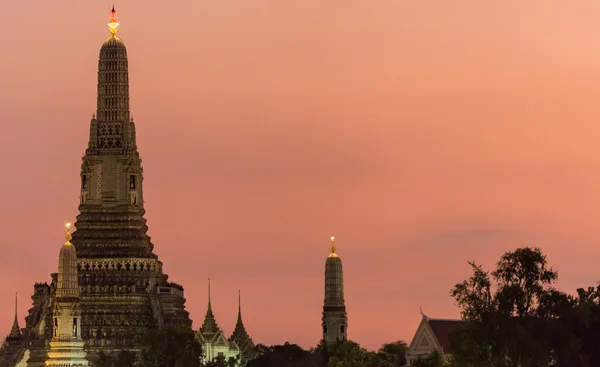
[[171, 346]]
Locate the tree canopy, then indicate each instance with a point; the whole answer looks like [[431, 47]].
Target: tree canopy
[[515, 316], [167, 346], [344, 354]]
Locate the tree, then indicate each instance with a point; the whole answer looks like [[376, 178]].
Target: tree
[[123, 358], [287, 355], [508, 314], [435, 359], [319, 355], [394, 353], [168, 346], [350, 354]]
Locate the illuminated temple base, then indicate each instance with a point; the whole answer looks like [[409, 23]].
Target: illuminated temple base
[[64, 353]]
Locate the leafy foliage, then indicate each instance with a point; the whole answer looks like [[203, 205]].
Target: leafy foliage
[[506, 314], [168, 346], [344, 354], [435, 359], [394, 353], [515, 316]]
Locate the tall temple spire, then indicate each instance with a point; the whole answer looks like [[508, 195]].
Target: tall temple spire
[[113, 248], [16, 330], [335, 319], [111, 130]]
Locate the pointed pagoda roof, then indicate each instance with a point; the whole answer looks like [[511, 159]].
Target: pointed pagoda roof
[[209, 326], [240, 336], [15, 332]]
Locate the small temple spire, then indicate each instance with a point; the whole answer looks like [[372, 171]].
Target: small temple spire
[[67, 283], [210, 324], [113, 22], [335, 318], [209, 305], [240, 335], [16, 330]]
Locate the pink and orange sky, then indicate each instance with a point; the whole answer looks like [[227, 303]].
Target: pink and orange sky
[[421, 134]]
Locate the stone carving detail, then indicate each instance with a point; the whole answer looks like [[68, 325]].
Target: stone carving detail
[[83, 197], [133, 197], [98, 181], [119, 183]]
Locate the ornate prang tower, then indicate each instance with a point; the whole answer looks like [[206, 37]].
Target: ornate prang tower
[[122, 289], [335, 319], [66, 346]]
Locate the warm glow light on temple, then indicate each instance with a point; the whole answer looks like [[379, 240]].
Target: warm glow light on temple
[[113, 22]]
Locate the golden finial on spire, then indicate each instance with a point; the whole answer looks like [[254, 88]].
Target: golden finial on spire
[[332, 254], [113, 22], [68, 234]]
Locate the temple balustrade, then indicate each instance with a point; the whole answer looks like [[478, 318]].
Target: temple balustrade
[[125, 265]]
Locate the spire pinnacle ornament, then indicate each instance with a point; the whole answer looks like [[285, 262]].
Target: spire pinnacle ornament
[[113, 22], [333, 254], [68, 233]]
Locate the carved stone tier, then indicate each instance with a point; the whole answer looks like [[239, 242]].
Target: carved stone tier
[[112, 232]]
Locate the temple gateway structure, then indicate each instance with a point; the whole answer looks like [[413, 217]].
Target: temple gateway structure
[[121, 287]]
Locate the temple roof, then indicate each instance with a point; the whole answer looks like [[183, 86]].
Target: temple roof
[[442, 329], [209, 326], [240, 335], [15, 332]]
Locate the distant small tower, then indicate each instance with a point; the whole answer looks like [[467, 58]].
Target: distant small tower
[[335, 319], [66, 345]]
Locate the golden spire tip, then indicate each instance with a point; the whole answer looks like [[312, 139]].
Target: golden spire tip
[[113, 22], [68, 234], [332, 245]]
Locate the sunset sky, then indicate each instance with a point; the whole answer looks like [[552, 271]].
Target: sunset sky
[[422, 134]]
